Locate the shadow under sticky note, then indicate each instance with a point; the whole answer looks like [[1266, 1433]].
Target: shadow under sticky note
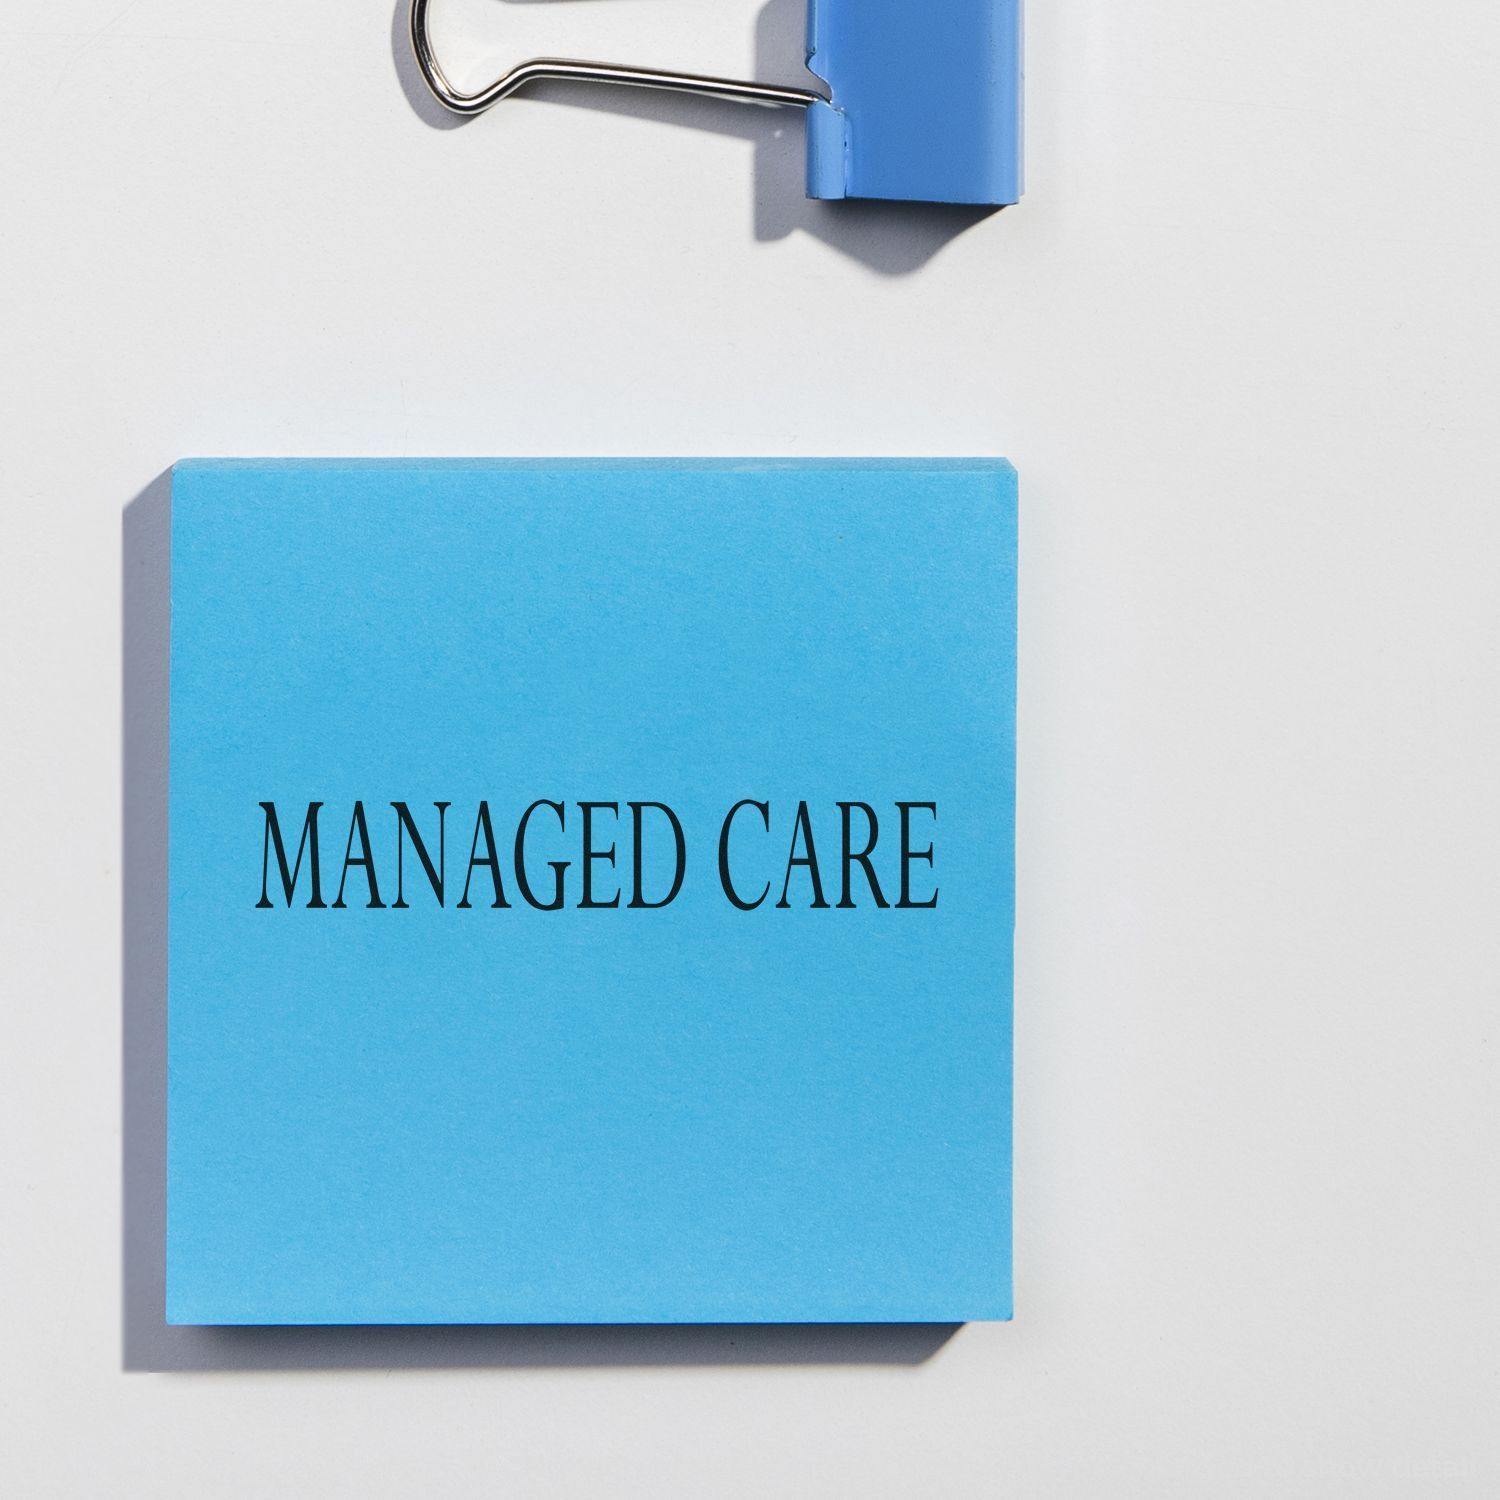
[[591, 892]]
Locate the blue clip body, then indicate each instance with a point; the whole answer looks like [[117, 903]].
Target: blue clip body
[[925, 100]]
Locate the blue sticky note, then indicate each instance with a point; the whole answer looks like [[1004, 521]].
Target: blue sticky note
[[591, 891]]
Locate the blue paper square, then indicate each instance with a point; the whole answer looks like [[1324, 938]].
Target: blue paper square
[[425, 1112]]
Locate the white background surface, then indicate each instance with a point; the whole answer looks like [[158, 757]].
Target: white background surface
[[1240, 340]]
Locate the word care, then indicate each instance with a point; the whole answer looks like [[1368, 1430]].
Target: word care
[[764, 856]]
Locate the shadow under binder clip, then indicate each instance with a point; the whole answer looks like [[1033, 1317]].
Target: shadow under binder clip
[[924, 100]]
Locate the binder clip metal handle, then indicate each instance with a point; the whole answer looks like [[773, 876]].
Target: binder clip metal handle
[[924, 103], [575, 70]]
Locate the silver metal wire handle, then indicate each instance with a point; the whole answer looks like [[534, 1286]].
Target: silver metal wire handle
[[571, 69]]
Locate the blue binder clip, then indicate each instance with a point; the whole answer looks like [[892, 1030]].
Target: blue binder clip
[[923, 102]]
